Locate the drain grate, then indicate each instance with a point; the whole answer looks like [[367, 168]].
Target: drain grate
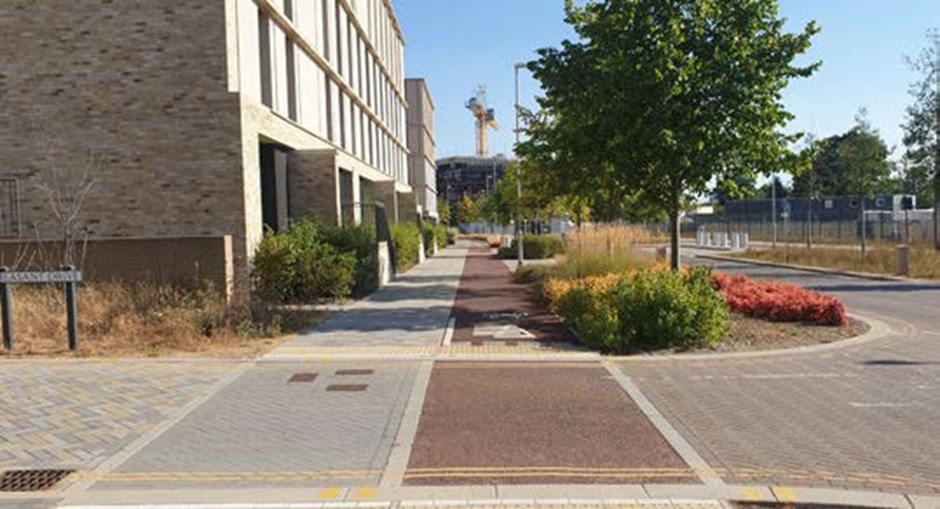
[[303, 377], [355, 372], [31, 480], [346, 387]]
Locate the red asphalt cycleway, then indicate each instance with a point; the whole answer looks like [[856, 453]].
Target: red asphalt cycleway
[[529, 422], [487, 294]]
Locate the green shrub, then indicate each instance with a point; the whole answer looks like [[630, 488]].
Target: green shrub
[[649, 310], [300, 266], [536, 247], [360, 241], [441, 236], [452, 236], [427, 234], [406, 238]]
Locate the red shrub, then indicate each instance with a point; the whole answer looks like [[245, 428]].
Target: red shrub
[[779, 302]]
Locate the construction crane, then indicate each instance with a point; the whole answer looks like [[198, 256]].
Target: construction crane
[[485, 120]]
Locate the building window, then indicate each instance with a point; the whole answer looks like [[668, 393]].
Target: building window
[[289, 9], [329, 108], [291, 80], [264, 54], [9, 209], [326, 30]]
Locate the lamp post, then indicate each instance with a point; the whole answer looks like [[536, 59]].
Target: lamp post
[[520, 254]]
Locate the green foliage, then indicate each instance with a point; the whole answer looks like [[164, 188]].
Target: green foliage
[[850, 164], [921, 133], [536, 247], [664, 96], [360, 241], [582, 264], [407, 240], [443, 211], [467, 210], [300, 266], [427, 236], [440, 235], [650, 310]]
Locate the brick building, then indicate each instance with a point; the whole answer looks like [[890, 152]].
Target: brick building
[[186, 128], [421, 165]]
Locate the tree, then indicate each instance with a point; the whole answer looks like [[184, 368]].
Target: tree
[[922, 130], [741, 186], [467, 210], [851, 164], [664, 96], [782, 191], [443, 211]]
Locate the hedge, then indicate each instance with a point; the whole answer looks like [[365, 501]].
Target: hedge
[[407, 240], [779, 302], [643, 310], [299, 265], [536, 247]]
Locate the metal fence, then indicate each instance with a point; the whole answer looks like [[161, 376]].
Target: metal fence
[[885, 226]]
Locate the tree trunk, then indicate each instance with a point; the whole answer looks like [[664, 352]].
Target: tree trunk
[[861, 211], [936, 196], [674, 236]]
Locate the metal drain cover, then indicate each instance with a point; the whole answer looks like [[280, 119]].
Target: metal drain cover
[[32, 480]]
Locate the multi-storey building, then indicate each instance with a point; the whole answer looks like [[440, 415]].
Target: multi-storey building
[[472, 176], [422, 168], [186, 128]]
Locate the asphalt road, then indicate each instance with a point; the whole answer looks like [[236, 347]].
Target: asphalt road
[[866, 416]]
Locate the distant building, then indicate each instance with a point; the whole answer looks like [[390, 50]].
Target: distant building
[[836, 208], [421, 166], [474, 176]]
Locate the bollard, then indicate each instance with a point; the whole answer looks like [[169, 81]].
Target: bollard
[[745, 240], [735, 240], [71, 310], [904, 260]]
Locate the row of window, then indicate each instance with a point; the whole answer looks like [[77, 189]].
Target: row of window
[[293, 84]]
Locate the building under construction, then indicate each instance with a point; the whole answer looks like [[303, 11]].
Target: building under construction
[[473, 176]]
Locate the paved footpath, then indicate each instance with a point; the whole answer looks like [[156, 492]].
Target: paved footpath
[[452, 386]]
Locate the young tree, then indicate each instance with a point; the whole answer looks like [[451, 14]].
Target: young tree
[[467, 210], [922, 129], [664, 96]]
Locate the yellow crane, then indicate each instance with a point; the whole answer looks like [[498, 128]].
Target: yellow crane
[[485, 120]]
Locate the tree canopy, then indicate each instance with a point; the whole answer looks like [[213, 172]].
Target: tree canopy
[[920, 129], [658, 97]]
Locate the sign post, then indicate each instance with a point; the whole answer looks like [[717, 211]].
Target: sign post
[[68, 276]]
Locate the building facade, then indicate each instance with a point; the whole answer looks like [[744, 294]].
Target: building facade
[[171, 123], [472, 176], [422, 169]]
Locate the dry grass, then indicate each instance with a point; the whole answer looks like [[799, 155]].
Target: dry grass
[[881, 259], [139, 320], [605, 239]]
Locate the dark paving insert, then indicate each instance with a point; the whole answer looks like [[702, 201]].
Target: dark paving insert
[[536, 423], [346, 387], [354, 372], [303, 377]]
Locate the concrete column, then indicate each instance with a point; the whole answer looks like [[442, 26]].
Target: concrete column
[[407, 207]]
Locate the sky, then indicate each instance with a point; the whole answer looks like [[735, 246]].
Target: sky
[[457, 45]]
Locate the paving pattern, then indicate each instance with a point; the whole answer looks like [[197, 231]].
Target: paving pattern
[[486, 423], [862, 417], [265, 429], [77, 414]]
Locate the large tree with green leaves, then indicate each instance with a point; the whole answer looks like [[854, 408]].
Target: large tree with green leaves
[[660, 97], [922, 131]]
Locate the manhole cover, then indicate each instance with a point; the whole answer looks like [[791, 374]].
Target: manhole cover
[[346, 387], [303, 377], [31, 480], [355, 372]]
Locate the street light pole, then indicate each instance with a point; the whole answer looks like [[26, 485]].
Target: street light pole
[[520, 254], [773, 209]]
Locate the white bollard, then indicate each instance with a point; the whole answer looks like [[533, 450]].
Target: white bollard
[[735, 240], [745, 240]]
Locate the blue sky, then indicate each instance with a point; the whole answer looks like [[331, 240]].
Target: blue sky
[[459, 44]]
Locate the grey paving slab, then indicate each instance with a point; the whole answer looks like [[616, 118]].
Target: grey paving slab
[[77, 414], [263, 429], [412, 311], [861, 417]]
